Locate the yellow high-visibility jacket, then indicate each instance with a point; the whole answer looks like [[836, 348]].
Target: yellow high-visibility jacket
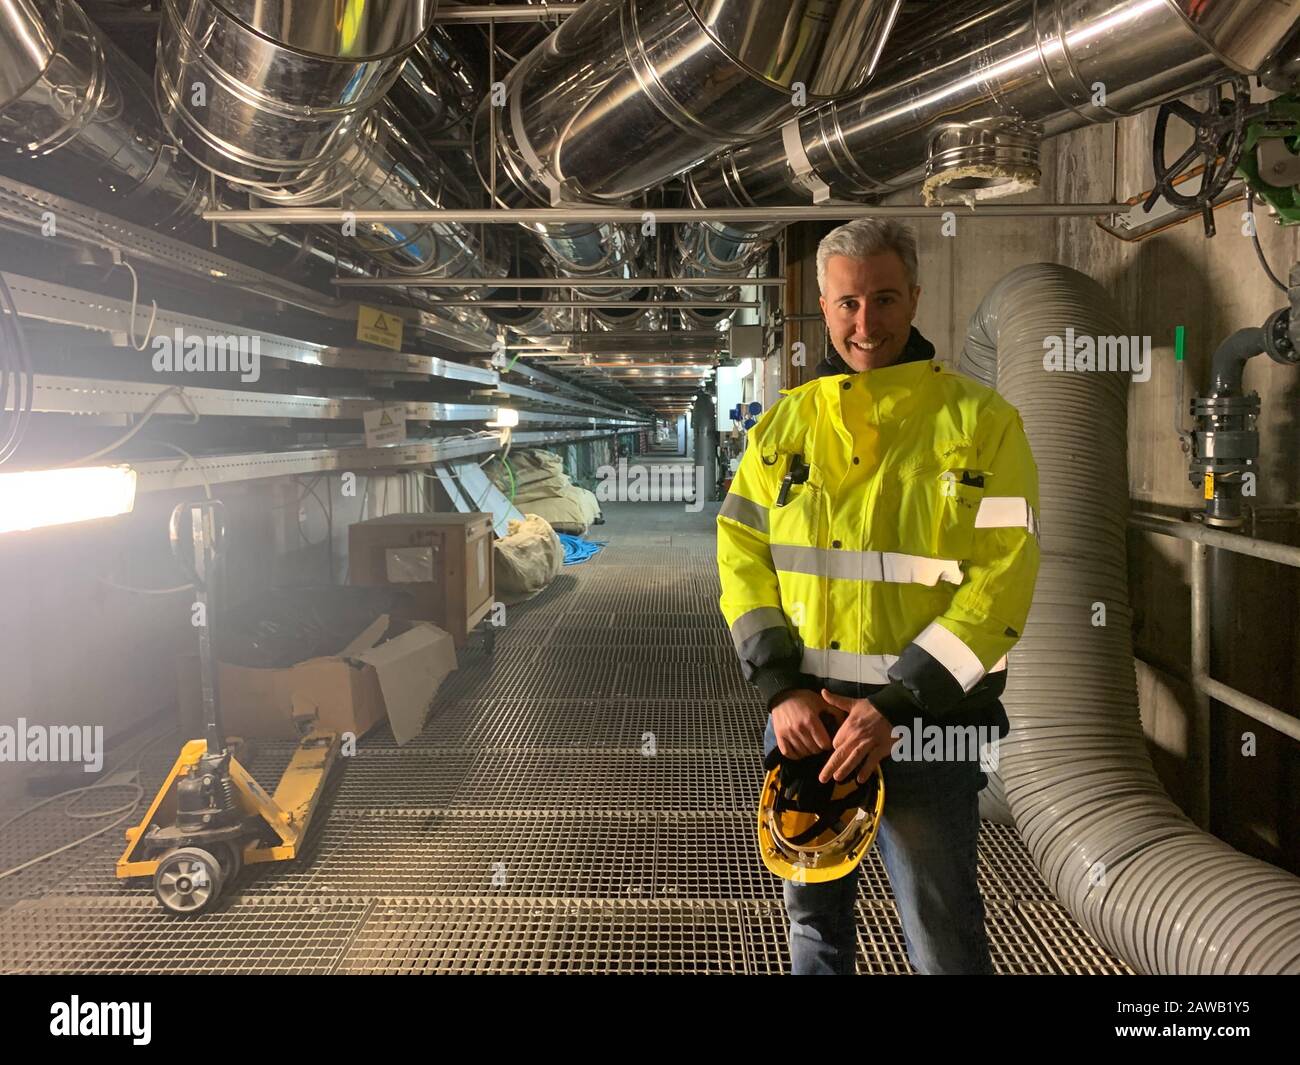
[[903, 564]]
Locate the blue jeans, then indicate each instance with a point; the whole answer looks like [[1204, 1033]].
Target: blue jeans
[[927, 840]]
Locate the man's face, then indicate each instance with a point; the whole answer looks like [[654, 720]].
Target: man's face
[[869, 307]]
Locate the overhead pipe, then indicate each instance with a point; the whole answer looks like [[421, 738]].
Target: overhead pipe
[[28, 43], [271, 95], [66, 89], [438, 87], [387, 169], [292, 110], [1125, 861], [965, 107], [91, 109], [627, 93], [713, 249]]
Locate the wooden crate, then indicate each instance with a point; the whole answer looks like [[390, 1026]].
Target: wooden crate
[[459, 561]]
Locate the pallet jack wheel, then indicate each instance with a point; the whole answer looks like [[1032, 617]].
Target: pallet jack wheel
[[230, 856], [188, 880]]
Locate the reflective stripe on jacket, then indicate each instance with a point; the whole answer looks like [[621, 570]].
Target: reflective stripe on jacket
[[906, 557]]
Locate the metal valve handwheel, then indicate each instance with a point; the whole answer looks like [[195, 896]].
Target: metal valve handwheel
[[1219, 134]]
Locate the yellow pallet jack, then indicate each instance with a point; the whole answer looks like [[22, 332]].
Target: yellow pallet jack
[[210, 816]]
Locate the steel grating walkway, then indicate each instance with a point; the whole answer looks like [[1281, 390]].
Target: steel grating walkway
[[535, 826]]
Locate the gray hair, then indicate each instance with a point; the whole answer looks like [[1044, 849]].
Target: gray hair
[[868, 236]]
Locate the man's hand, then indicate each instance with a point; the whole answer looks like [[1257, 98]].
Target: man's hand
[[864, 734], [796, 720]]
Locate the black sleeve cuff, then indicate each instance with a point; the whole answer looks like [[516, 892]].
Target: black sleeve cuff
[[895, 704], [931, 687], [771, 681]]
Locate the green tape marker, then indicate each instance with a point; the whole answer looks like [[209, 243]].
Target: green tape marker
[[1178, 343]]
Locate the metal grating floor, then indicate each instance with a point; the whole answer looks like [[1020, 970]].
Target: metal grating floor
[[582, 802]]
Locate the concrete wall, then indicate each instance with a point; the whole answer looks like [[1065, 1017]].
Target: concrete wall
[[1211, 287]]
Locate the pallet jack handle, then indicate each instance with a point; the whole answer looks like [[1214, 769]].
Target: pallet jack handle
[[199, 550]]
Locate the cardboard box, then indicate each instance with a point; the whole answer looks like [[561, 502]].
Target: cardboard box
[[444, 560], [391, 671]]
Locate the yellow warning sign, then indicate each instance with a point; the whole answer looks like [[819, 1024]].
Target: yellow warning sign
[[376, 326], [1209, 486]]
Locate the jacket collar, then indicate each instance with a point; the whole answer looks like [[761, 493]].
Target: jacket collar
[[917, 349]]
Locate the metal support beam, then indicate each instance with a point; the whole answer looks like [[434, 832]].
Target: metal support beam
[[556, 304], [64, 305], [1204, 686], [172, 473], [557, 283], [464, 14], [87, 396], [601, 215]]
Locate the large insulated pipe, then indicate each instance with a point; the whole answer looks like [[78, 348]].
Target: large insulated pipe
[[1117, 852], [90, 111], [715, 249], [65, 89], [439, 86], [386, 168], [532, 323], [627, 93], [968, 102], [270, 95], [704, 452], [29, 40], [286, 101]]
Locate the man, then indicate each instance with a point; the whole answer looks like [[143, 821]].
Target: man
[[878, 550]]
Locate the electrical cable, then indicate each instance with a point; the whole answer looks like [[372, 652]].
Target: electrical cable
[[207, 485], [20, 371], [1254, 236], [125, 810], [207, 490], [145, 415], [135, 293]]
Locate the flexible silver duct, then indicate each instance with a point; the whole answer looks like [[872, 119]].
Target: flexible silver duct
[[1118, 853], [627, 93], [969, 101]]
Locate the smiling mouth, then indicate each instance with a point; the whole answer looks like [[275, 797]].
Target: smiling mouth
[[867, 346]]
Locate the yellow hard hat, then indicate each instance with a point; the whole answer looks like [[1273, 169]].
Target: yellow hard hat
[[810, 832]]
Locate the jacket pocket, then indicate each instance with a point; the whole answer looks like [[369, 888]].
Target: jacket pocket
[[937, 508], [799, 521]]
